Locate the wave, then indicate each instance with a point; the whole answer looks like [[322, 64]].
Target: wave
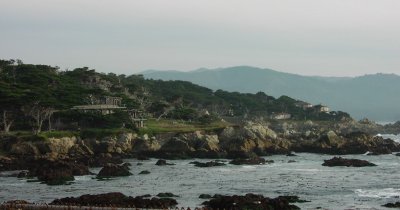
[[83, 178], [379, 193]]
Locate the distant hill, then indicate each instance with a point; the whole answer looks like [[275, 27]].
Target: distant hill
[[373, 96]]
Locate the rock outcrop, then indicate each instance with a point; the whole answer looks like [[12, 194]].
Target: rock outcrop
[[249, 201], [249, 161], [352, 143], [118, 200], [207, 164], [114, 170], [57, 172], [392, 205], [339, 161], [162, 162]]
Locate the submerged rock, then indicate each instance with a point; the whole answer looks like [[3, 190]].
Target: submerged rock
[[249, 201], [207, 164], [114, 170], [392, 205], [117, 199], [205, 196], [293, 199], [162, 162], [250, 161], [166, 195], [339, 161], [144, 172]]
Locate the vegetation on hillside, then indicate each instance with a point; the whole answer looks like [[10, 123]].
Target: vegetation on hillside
[[40, 97]]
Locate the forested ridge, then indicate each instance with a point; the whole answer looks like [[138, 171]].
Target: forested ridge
[[38, 97]]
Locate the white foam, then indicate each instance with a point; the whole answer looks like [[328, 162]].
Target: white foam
[[83, 178], [379, 193]]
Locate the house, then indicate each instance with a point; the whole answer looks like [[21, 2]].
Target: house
[[303, 105], [321, 108], [281, 116], [137, 117], [104, 105]]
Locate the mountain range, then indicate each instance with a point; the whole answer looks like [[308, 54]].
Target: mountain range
[[376, 96]]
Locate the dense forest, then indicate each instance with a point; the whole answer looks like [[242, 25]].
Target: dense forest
[[38, 97]]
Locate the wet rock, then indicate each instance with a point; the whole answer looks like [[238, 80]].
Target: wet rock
[[162, 162], [291, 155], [17, 202], [249, 201], [6, 163], [176, 145], [392, 205], [146, 145], [57, 172], [291, 161], [293, 199], [114, 170], [250, 161], [207, 164], [104, 159], [166, 195], [23, 174], [241, 155], [339, 161], [205, 196], [117, 200], [145, 196], [145, 172]]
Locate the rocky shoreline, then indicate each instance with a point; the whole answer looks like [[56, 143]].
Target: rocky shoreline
[[243, 144], [119, 200]]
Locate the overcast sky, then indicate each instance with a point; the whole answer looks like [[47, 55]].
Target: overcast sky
[[309, 37]]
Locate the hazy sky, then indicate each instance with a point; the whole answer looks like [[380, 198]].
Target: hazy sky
[[311, 37]]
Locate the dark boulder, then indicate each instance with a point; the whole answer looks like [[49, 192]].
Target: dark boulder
[[114, 170], [207, 164], [339, 161], [17, 202], [144, 172], [249, 201], [293, 199], [166, 195], [205, 196], [103, 159], [162, 162], [117, 200], [250, 161], [57, 172], [23, 174], [392, 205]]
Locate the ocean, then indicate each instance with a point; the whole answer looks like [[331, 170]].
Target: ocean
[[325, 187]]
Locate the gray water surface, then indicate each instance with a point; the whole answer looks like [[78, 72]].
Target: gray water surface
[[326, 187]]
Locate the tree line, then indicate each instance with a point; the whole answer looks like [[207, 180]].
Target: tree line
[[35, 96]]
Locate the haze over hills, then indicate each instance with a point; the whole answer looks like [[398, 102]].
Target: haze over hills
[[376, 96]]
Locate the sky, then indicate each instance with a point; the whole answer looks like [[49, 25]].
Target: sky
[[307, 37]]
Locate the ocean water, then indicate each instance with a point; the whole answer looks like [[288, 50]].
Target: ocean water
[[326, 187]]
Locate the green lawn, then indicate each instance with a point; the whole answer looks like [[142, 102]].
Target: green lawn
[[153, 126]]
